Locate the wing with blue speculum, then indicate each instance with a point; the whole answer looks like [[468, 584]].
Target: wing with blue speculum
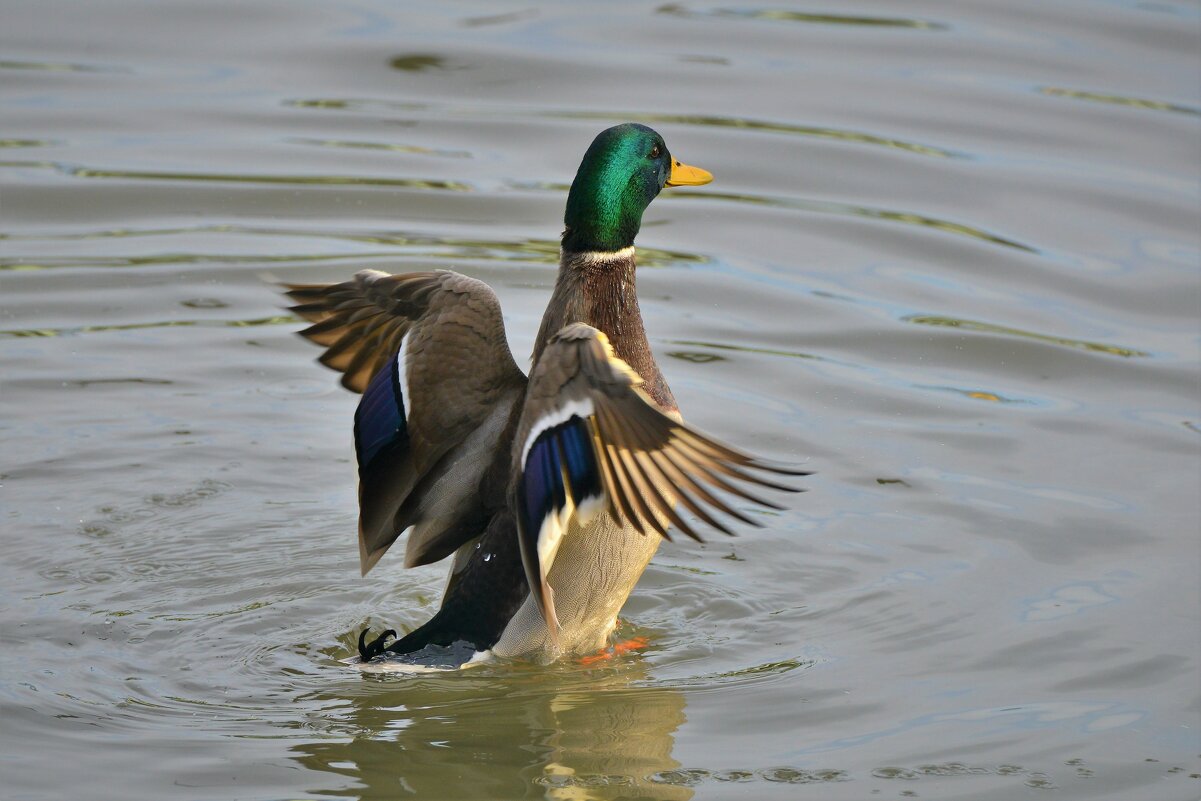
[[591, 440], [428, 353], [380, 428]]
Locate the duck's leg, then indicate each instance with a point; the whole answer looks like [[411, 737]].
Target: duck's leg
[[370, 650], [480, 599]]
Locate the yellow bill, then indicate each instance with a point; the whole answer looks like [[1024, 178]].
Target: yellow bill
[[686, 175]]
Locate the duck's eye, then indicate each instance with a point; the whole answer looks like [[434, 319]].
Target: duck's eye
[[655, 152]]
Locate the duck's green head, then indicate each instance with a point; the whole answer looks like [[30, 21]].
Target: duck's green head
[[624, 169]]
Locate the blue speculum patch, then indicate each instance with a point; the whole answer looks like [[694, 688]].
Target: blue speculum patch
[[379, 420], [541, 489]]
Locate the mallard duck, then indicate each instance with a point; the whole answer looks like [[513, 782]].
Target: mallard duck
[[549, 493]]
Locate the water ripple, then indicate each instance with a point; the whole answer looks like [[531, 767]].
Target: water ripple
[[113, 262], [770, 126], [59, 66], [410, 245], [81, 171], [782, 15], [29, 142], [416, 149], [990, 328], [700, 120], [1119, 100], [847, 209], [282, 319]]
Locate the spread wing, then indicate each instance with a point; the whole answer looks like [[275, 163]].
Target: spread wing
[[428, 353], [590, 440]]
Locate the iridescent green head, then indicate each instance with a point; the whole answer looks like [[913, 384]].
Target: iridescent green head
[[624, 169]]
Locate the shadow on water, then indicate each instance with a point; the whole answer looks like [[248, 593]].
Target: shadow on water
[[567, 733]]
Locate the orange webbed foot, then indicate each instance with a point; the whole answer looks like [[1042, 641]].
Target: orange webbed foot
[[617, 649]]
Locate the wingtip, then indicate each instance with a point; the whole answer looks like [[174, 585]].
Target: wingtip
[[781, 468], [368, 560]]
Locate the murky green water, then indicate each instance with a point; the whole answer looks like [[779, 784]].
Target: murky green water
[[951, 259]]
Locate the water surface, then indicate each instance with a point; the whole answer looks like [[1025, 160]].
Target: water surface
[[950, 261]]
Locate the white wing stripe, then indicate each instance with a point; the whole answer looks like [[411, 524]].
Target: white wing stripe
[[582, 409], [402, 371]]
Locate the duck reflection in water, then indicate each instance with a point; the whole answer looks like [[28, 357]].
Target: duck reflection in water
[[563, 732]]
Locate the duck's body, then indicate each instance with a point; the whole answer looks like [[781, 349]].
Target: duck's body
[[562, 482]]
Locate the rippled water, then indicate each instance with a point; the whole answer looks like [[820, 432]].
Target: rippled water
[[950, 261]]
